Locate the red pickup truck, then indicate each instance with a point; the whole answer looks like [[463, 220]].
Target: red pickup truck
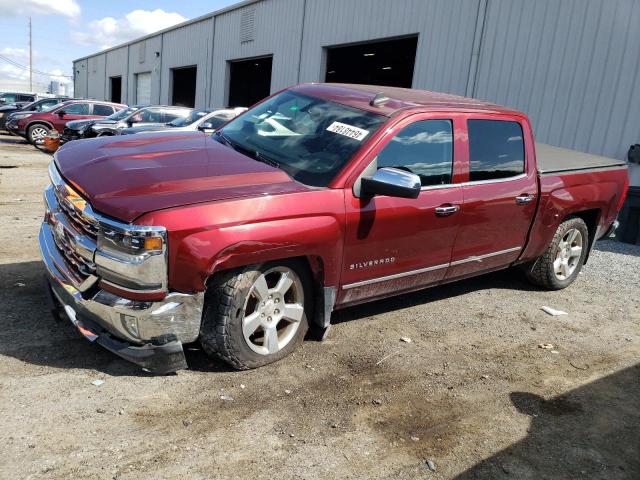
[[319, 197]]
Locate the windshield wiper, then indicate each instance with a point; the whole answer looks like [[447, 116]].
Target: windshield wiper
[[261, 157], [225, 139]]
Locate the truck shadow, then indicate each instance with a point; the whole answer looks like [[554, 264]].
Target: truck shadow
[[589, 432], [620, 248]]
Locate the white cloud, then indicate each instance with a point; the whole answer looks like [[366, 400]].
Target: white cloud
[[66, 8], [109, 31]]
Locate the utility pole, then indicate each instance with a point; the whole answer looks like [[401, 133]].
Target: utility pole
[[30, 60]]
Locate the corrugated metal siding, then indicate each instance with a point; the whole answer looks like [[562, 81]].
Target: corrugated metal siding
[[116, 67], [445, 31], [572, 66], [80, 78], [142, 58], [183, 47], [277, 31], [96, 79]]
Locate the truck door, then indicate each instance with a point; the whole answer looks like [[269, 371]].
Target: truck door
[[499, 196], [400, 244]]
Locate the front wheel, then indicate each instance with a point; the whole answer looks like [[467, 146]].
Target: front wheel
[[256, 315], [561, 263], [37, 133]]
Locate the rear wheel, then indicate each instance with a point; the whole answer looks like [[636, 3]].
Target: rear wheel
[[563, 259], [256, 315], [36, 134]]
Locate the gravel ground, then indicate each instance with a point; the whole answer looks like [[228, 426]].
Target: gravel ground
[[472, 393]]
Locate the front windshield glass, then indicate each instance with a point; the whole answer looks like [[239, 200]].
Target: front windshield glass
[[120, 114], [189, 119], [309, 138]]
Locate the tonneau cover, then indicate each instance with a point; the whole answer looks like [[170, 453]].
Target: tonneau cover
[[555, 159]]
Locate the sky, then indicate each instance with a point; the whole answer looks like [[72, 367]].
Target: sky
[[64, 30]]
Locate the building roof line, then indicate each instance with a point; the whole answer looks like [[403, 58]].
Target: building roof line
[[186, 23]]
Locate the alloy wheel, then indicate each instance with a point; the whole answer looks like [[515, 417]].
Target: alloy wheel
[[568, 254], [273, 310]]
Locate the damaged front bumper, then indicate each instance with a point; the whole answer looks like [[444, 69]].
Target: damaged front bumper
[[149, 334]]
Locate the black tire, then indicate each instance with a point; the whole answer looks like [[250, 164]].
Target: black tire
[[32, 129], [542, 272], [221, 334]]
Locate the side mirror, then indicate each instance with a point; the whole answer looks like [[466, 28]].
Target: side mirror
[[392, 182], [61, 113], [203, 127]]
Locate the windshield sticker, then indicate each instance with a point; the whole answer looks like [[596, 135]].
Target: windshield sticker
[[348, 131]]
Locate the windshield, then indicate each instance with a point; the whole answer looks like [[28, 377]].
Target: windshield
[[309, 138], [120, 114], [189, 119]]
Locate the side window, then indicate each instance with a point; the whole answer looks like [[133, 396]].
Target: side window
[[77, 109], [216, 121], [104, 110], [425, 148], [169, 115], [148, 115], [496, 149]]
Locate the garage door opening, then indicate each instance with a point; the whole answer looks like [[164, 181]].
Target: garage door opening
[[249, 81], [183, 90], [385, 62], [115, 87]]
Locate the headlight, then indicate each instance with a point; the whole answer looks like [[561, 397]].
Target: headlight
[[19, 116], [132, 257]]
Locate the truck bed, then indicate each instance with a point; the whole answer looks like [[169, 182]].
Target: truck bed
[[557, 160]]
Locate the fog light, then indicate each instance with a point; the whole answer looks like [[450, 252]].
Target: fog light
[[130, 324]]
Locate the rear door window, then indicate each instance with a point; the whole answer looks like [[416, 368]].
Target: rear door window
[[104, 110], [425, 148], [496, 149], [77, 109]]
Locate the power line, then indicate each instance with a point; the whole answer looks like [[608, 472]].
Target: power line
[[33, 70]]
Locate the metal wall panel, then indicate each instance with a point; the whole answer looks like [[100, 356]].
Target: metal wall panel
[[277, 30], [445, 31], [571, 65], [183, 47], [80, 78], [143, 58], [96, 77], [116, 67]]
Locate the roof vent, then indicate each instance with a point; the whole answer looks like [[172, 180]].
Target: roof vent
[[379, 100]]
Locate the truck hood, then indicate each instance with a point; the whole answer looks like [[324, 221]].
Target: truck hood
[[127, 177]]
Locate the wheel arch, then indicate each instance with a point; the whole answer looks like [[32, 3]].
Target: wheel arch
[[591, 217], [39, 122]]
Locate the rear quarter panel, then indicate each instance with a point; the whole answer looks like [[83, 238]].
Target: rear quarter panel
[[566, 194], [207, 238]]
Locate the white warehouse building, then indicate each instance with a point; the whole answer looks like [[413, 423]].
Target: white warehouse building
[[572, 65]]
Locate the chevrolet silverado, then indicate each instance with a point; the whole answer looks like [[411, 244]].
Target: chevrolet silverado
[[322, 196]]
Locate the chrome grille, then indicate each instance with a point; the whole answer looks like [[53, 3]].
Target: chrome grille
[[75, 262], [77, 217]]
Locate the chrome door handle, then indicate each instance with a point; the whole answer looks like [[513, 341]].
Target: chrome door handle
[[445, 211], [523, 199]]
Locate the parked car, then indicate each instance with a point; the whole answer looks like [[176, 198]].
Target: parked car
[[77, 129], [12, 97], [10, 111], [9, 108], [35, 126], [243, 241], [206, 121], [153, 115]]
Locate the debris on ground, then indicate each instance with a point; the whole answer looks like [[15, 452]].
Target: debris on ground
[[19, 284], [546, 346], [405, 339], [388, 356], [287, 392], [553, 311], [376, 401], [226, 398], [100, 410], [97, 383], [430, 465], [415, 439], [242, 386]]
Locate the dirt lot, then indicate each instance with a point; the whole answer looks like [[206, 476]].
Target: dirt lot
[[472, 391]]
